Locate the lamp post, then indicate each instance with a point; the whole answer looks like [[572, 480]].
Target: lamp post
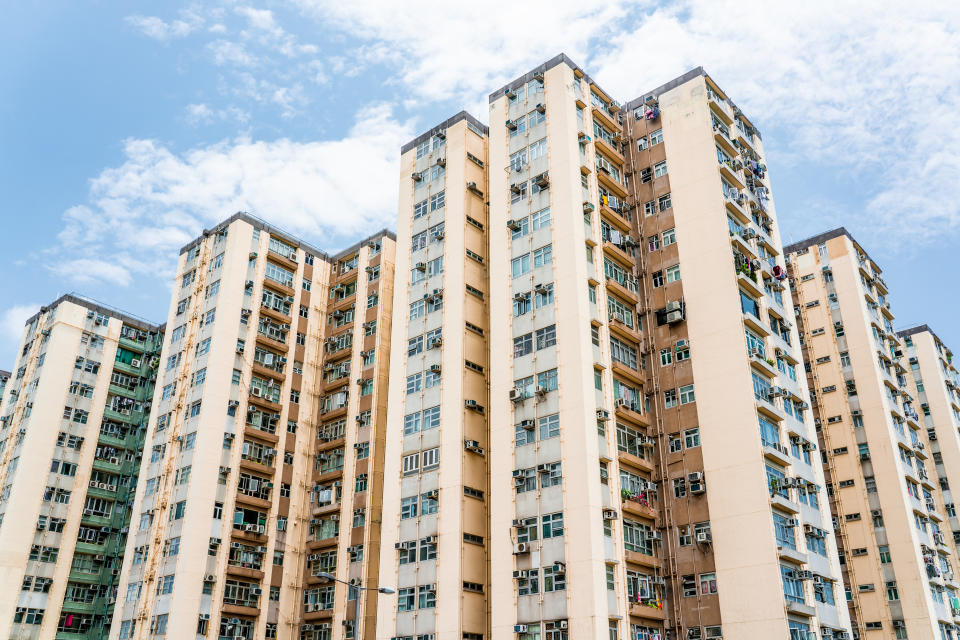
[[356, 590]]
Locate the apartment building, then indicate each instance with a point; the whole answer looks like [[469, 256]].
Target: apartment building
[[436, 535], [693, 487], [935, 383], [346, 479], [227, 534], [672, 503], [890, 516], [72, 423]]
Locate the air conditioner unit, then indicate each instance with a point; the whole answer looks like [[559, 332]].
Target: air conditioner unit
[[520, 548], [521, 574], [433, 494], [473, 446], [602, 415], [561, 624], [673, 305], [529, 425], [559, 567], [704, 537], [541, 391], [513, 225], [520, 628], [674, 316], [620, 402], [543, 468], [610, 514], [516, 394], [256, 392]]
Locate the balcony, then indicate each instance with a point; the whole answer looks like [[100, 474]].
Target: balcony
[[608, 181], [140, 346], [777, 453], [609, 147], [616, 211], [639, 504], [257, 432], [647, 609], [271, 342], [762, 363], [741, 245], [718, 106], [605, 118], [631, 411], [748, 279], [731, 174], [722, 137]]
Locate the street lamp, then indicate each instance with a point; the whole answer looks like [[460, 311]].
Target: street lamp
[[356, 606]]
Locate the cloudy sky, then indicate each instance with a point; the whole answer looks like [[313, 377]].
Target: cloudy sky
[[126, 127]]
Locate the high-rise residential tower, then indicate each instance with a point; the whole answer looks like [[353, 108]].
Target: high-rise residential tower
[[936, 385], [72, 424], [649, 454], [899, 561], [250, 456], [436, 544]]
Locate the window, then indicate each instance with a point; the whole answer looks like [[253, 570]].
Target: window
[[691, 437], [406, 599], [660, 169], [673, 273], [686, 394], [670, 398], [426, 597], [543, 256], [520, 265], [549, 426], [408, 507], [552, 525], [708, 584], [656, 137]]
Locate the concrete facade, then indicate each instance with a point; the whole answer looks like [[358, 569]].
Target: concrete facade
[[646, 475], [436, 545], [227, 531], [71, 437], [898, 559]]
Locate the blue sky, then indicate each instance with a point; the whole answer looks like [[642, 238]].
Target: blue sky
[[127, 127]]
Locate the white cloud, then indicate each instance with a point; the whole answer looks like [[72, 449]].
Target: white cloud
[[864, 91], [261, 19], [331, 192], [197, 114], [226, 52], [158, 29], [91, 270], [12, 321], [449, 50]]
